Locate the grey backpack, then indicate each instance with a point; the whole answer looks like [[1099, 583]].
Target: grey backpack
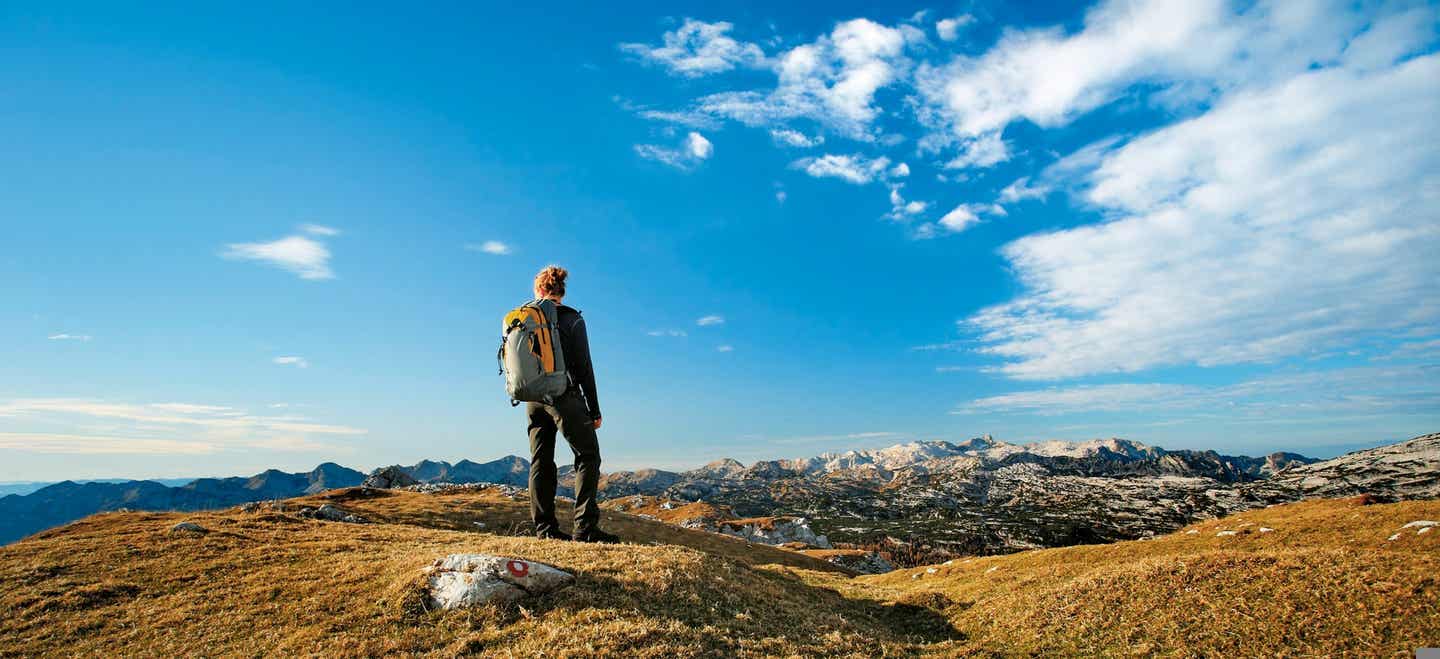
[[530, 356]]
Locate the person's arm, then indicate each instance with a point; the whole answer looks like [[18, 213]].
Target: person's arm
[[581, 367]]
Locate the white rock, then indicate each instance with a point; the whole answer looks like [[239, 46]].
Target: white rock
[[930, 570], [1424, 523], [461, 580], [1395, 537], [1424, 530], [1266, 529], [1192, 531], [1225, 533], [992, 569]]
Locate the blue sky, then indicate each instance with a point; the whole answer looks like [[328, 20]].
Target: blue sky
[[270, 235]]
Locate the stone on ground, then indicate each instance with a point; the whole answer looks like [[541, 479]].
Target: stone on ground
[[187, 527], [461, 580]]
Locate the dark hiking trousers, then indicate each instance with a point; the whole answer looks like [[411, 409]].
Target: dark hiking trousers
[[570, 417]]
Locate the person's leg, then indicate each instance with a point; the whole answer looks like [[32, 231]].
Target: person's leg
[[542, 468], [579, 431]]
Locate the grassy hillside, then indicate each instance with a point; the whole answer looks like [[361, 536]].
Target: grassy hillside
[[1326, 580]]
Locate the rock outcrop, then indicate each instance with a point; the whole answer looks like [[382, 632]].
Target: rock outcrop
[[1408, 470], [386, 478], [330, 513], [773, 531], [463, 580], [864, 562]]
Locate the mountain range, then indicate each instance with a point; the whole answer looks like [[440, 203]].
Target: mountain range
[[981, 495]]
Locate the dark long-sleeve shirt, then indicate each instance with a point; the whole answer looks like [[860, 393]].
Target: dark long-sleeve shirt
[[576, 346]]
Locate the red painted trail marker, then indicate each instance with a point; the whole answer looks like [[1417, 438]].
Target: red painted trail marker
[[518, 568]]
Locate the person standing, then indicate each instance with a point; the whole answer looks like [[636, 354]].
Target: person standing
[[575, 414]]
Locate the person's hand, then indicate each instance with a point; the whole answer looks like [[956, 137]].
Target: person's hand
[[597, 423]]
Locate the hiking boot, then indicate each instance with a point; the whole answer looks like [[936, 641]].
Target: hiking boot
[[596, 535], [553, 534]]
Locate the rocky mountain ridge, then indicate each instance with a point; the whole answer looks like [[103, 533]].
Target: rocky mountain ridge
[[981, 495], [21, 515], [986, 496]]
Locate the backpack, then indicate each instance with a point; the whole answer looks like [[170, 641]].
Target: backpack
[[530, 356]]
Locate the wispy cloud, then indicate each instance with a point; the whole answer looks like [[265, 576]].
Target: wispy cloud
[[789, 137], [853, 168], [667, 332], [490, 247], [291, 360], [948, 29], [307, 257], [724, 347], [56, 443], [692, 151], [69, 425], [319, 230], [832, 80], [68, 337], [851, 437], [697, 48], [713, 319], [1239, 236], [1319, 393]]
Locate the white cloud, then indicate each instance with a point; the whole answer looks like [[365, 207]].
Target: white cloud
[[693, 150], [319, 230], [780, 196], [698, 147], [1290, 218], [1084, 398], [490, 247], [306, 257], [948, 29], [725, 347], [900, 209], [1021, 189], [983, 151], [667, 332], [684, 118], [706, 321], [856, 169], [69, 337], [291, 360], [832, 80], [697, 48], [900, 171], [795, 138], [86, 426], [68, 444], [1315, 393], [1191, 49], [961, 218]]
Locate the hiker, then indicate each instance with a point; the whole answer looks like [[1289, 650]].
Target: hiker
[[576, 414]]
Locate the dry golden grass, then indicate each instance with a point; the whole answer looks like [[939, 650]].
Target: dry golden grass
[[459, 510], [679, 514], [1326, 581]]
